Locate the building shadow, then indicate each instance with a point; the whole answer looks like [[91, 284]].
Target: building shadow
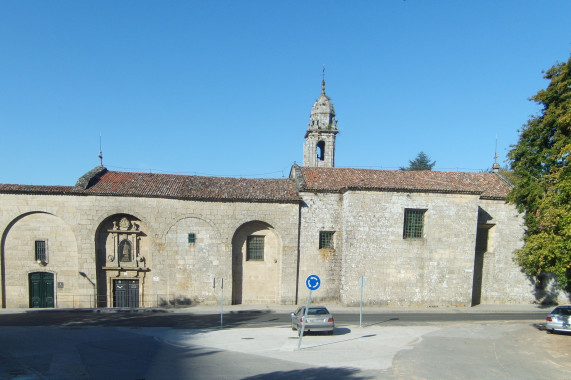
[[312, 374]]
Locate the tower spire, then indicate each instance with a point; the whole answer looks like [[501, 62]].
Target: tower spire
[[319, 147]]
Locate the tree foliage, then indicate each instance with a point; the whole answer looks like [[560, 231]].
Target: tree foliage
[[542, 190], [421, 162], [507, 173]]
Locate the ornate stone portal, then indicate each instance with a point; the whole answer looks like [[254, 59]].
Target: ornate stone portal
[[124, 265]]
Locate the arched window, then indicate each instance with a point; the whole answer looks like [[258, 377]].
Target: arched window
[[125, 251], [321, 150]]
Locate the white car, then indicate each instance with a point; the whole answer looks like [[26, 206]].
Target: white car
[[559, 319]]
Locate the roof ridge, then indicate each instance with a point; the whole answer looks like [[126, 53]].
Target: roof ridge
[[338, 179], [192, 175]]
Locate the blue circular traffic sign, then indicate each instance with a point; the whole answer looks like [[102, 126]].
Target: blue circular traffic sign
[[312, 282]]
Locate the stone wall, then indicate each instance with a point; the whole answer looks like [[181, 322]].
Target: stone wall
[[321, 212], [61, 247], [503, 281], [177, 271], [435, 270]]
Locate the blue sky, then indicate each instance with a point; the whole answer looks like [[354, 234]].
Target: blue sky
[[225, 88]]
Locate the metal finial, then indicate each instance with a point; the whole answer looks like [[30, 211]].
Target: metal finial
[[100, 152], [496, 166]]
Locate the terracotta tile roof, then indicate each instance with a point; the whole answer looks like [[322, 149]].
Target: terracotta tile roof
[[194, 187], [154, 185], [102, 182], [35, 189], [487, 185]]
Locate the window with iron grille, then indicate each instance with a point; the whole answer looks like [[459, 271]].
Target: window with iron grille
[[326, 240], [255, 248], [41, 251], [191, 238], [413, 223]]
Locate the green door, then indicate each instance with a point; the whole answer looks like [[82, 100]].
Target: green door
[[126, 293], [41, 289]]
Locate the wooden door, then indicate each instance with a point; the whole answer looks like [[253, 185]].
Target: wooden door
[[41, 286]]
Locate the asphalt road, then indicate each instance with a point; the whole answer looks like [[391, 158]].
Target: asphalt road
[[54, 317]]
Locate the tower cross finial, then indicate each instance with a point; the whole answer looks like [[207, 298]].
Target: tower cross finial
[[496, 166], [323, 81], [100, 152]]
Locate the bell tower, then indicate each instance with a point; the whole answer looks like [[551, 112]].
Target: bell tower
[[319, 147]]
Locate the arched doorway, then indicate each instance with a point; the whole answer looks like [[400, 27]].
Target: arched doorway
[[40, 243], [123, 260], [256, 256]]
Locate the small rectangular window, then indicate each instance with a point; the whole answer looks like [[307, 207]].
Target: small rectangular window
[[413, 223], [191, 238], [41, 252], [255, 248], [326, 240]]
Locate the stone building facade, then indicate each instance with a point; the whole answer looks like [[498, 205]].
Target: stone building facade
[[458, 251], [165, 241], [119, 239]]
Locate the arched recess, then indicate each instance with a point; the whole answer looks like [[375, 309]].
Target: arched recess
[[123, 259], [321, 151], [59, 255], [256, 256], [194, 244]]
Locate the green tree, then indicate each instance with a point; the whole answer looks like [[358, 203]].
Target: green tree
[[542, 190], [421, 162], [507, 173]]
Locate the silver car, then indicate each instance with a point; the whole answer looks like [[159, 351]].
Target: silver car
[[318, 319], [559, 319]]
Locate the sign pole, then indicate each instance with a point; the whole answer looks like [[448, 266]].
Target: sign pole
[[312, 282], [361, 285], [361, 308], [303, 321]]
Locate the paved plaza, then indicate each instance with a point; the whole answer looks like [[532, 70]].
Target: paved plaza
[[431, 350]]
